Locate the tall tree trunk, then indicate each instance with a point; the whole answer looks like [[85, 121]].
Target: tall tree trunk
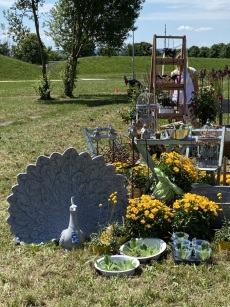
[[45, 91]]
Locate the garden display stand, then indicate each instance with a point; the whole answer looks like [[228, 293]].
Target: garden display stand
[[208, 151], [162, 84]]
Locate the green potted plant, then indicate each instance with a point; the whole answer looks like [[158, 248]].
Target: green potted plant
[[117, 265], [222, 236]]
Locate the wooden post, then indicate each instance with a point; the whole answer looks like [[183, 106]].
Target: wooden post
[[224, 170]]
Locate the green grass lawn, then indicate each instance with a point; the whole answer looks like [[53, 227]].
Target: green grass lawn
[[46, 275]]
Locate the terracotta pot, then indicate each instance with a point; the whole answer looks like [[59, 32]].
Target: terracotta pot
[[122, 240], [224, 246], [137, 192], [97, 249]]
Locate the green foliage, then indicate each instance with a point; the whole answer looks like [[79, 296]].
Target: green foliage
[[28, 50], [69, 76], [134, 249], [205, 104], [42, 87], [107, 23]]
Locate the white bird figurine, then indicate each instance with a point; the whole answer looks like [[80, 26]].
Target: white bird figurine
[[72, 236]]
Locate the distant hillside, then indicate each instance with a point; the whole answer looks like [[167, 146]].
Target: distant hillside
[[12, 69]]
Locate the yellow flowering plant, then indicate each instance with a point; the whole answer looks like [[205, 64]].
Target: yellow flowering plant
[[195, 214], [179, 169], [148, 217], [139, 176], [107, 235]]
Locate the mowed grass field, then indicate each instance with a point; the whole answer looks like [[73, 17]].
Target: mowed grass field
[[46, 275]]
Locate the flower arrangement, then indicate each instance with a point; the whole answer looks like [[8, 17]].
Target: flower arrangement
[[107, 236], [195, 214], [205, 104], [179, 169], [148, 217]]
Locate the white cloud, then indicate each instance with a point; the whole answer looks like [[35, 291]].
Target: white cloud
[[184, 28], [6, 3], [186, 15], [204, 29]]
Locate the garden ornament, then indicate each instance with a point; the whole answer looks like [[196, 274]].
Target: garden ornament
[[72, 236], [39, 206]]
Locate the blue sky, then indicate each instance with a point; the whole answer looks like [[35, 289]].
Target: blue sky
[[203, 22]]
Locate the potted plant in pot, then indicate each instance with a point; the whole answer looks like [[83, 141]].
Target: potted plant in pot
[[165, 103], [138, 180], [205, 104], [110, 236], [222, 236], [117, 265]]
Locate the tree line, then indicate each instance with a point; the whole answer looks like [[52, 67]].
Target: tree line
[[28, 50]]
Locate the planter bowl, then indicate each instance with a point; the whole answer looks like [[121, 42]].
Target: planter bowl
[[129, 272], [165, 110], [151, 242]]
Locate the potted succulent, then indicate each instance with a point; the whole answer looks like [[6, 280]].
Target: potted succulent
[[222, 236]]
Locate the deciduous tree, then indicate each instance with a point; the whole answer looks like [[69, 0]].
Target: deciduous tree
[[18, 12], [73, 23]]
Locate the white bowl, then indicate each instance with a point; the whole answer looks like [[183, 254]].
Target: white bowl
[[129, 272], [149, 242]]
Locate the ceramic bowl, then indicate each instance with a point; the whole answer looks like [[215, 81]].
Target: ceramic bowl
[[152, 242], [129, 272]]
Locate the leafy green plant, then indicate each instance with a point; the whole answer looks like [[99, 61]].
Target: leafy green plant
[[183, 251], [42, 87], [223, 234], [109, 264], [133, 248], [203, 252]]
